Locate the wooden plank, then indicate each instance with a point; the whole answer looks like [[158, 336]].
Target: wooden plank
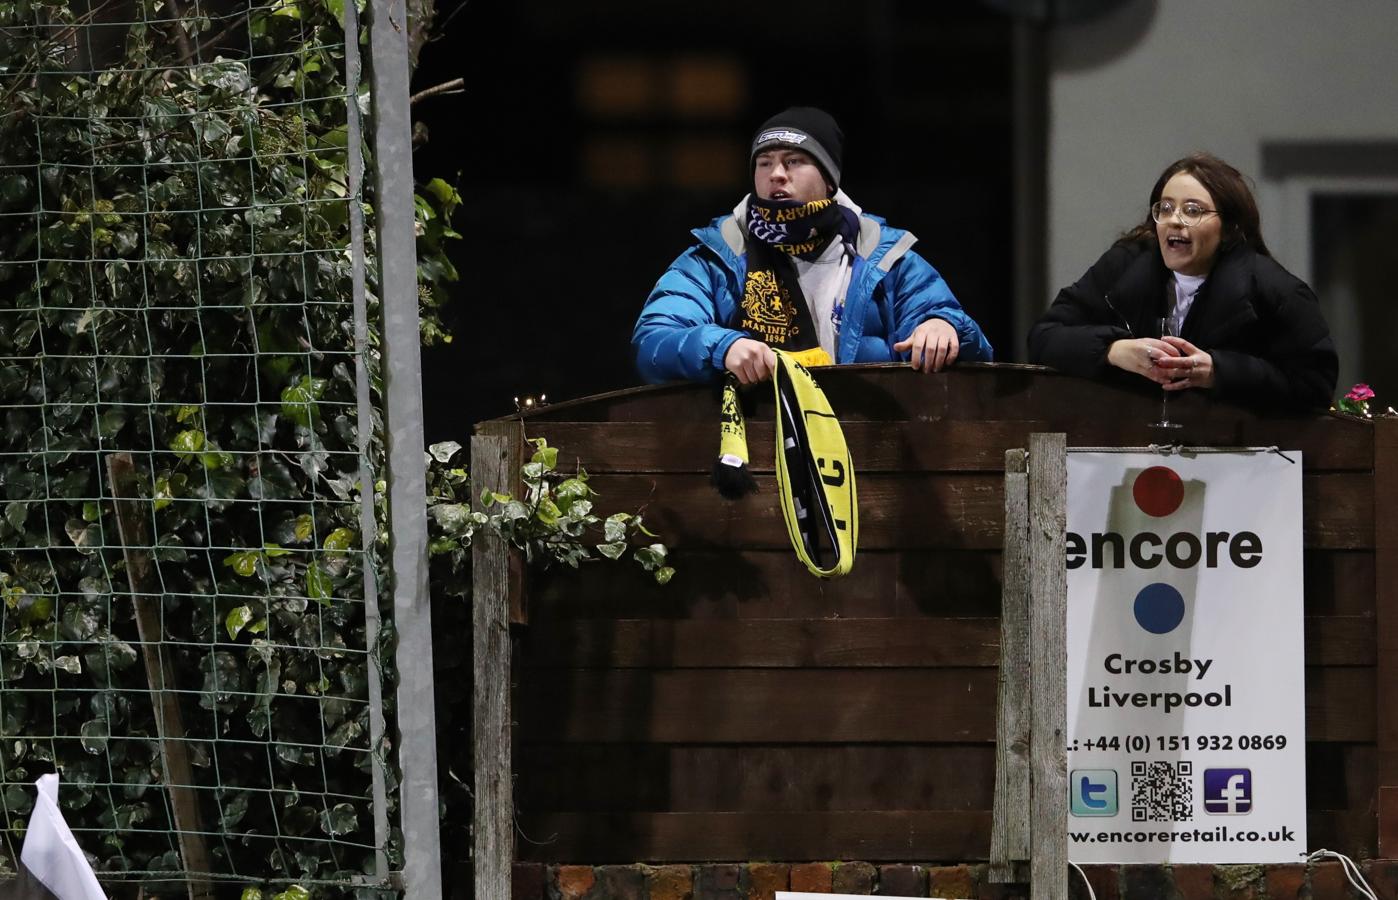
[[132, 516], [761, 643], [949, 582], [1339, 704], [1048, 623], [767, 584], [882, 446], [1385, 512], [892, 392], [1339, 510], [1350, 831], [895, 512], [917, 511], [1339, 582], [752, 778], [772, 584], [918, 445], [495, 457], [790, 706], [557, 642], [874, 836], [1340, 641], [1009, 836], [723, 584], [798, 706]]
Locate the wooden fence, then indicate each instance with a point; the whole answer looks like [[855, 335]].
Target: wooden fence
[[750, 711]]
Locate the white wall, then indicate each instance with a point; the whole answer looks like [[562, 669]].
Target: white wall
[[1148, 83]]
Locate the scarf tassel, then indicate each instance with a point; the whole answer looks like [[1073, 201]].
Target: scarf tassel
[[731, 475]]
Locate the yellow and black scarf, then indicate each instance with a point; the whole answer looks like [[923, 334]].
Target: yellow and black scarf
[[815, 473], [773, 308]]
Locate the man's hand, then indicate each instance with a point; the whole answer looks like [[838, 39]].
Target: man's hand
[[934, 345], [752, 361], [1143, 357]]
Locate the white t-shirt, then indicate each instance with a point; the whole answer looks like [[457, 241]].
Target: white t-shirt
[[825, 281], [1186, 286]]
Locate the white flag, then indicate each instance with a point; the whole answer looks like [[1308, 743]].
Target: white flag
[[51, 854]]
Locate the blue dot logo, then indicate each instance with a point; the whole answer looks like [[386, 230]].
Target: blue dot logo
[[1159, 608]]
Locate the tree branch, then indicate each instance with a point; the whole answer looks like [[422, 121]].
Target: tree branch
[[455, 86], [182, 43]]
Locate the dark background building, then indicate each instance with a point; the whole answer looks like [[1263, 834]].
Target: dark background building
[[592, 136]]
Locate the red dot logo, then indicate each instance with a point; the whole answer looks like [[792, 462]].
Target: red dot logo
[[1158, 491]]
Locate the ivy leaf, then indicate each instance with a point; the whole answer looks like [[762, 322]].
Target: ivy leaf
[[188, 442], [339, 541], [236, 620], [185, 413], [15, 513], [453, 518], [111, 422], [244, 562], [651, 557], [34, 608], [318, 586], [664, 574], [612, 550], [299, 400], [546, 456], [94, 735], [443, 452], [339, 819], [547, 512], [78, 623], [305, 527], [295, 892], [614, 529], [165, 490]]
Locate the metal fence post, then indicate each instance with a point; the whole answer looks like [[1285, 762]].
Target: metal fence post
[[407, 474]]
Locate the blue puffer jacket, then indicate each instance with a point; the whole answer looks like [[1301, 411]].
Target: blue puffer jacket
[[682, 335]]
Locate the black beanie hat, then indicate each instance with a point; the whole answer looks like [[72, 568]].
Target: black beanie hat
[[804, 128]]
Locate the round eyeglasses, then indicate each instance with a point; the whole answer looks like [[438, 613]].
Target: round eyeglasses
[[1191, 213]]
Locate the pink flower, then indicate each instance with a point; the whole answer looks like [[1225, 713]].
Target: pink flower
[[1359, 393]]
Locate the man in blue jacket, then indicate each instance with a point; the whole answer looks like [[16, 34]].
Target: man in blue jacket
[[799, 266]]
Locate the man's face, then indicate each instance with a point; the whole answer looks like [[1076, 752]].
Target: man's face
[[786, 174]]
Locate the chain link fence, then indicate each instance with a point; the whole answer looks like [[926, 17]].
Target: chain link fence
[[189, 631]]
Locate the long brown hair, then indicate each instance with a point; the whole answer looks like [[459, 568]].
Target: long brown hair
[[1232, 197]]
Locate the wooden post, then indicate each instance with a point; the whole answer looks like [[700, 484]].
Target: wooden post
[[1048, 597], [131, 516], [495, 461], [1385, 496], [1009, 834]]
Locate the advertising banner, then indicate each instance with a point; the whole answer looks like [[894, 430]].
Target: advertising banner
[[1186, 707]]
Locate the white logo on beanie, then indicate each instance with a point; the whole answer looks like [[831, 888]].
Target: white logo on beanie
[[781, 134]]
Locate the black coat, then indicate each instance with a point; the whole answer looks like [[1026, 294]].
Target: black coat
[[1262, 325]]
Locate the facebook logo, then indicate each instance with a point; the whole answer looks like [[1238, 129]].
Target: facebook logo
[[1092, 792], [1227, 792]]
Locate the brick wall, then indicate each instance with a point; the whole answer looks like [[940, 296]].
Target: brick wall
[[760, 881]]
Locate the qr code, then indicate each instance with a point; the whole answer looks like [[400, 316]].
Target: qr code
[[1161, 791]]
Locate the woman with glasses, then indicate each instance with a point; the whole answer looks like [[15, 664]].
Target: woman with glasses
[[1248, 330]]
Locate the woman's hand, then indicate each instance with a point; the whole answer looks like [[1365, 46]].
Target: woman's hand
[[752, 361], [1144, 357], [1191, 368]]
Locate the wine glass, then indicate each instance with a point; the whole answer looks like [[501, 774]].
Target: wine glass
[[1169, 326]]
